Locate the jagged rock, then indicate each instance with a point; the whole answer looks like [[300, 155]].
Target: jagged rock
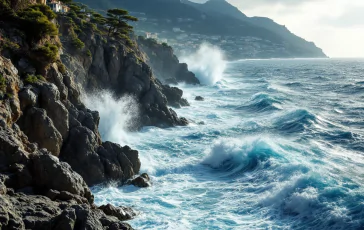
[[142, 181], [165, 64], [80, 152], [9, 219], [40, 129], [184, 75], [21, 211], [119, 162], [174, 96], [115, 68], [56, 111], [199, 98], [49, 173], [171, 81], [26, 67], [122, 213], [28, 97]]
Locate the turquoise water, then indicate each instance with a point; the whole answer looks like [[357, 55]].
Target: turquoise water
[[281, 147]]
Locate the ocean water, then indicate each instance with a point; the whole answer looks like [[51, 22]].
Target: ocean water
[[277, 144]]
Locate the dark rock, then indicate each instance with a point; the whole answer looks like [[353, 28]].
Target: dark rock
[[40, 129], [49, 173], [170, 81], [142, 181], [40, 213], [122, 213], [174, 96], [199, 98], [165, 64]]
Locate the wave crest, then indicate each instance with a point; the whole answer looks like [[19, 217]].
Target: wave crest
[[232, 155], [261, 103]]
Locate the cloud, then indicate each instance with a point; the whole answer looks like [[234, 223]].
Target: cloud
[[352, 17]]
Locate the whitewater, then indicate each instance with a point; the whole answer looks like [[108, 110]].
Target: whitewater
[[277, 144]]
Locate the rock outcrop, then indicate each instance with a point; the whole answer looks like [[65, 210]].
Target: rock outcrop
[[120, 69], [165, 64], [38, 129]]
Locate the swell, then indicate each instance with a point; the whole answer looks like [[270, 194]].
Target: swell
[[261, 103]]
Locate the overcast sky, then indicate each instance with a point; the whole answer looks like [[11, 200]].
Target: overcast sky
[[336, 26]]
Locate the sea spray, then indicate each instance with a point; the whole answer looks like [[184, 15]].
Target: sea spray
[[117, 116], [207, 63]]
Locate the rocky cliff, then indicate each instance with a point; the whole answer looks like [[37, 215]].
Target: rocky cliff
[[119, 67], [50, 146], [165, 64]]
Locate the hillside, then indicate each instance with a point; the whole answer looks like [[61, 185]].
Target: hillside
[[240, 36]]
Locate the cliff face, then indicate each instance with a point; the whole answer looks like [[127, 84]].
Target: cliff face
[[112, 65], [40, 122], [165, 64], [50, 146]]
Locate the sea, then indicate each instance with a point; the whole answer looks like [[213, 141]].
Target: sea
[[276, 144]]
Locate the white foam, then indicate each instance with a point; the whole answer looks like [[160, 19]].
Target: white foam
[[117, 116], [207, 63]]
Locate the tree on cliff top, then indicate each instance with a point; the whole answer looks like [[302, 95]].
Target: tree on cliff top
[[117, 20]]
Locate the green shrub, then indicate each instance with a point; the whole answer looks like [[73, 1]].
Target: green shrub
[[36, 21], [77, 43], [61, 67], [31, 79], [89, 53], [2, 83], [165, 44], [48, 52]]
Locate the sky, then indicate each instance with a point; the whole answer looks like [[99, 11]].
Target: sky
[[336, 26]]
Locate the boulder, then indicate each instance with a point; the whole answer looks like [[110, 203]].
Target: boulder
[[199, 98], [174, 96], [49, 173], [142, 181], [40, 129], [122, 213]]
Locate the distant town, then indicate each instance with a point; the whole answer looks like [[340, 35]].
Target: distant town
[[183, 41]]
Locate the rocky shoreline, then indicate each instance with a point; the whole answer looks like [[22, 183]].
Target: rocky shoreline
[[51, 150]]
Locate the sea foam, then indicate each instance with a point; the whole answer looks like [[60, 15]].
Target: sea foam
[[117, 116], [207, 63]]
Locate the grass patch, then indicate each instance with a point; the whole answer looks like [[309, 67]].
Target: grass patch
[[61, 67], [77, 43], [2, 83], [31, 79]]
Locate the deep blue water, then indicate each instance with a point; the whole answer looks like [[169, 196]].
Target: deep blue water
[[281, 147]]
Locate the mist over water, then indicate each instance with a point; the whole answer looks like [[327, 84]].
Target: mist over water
[[207, 63], [282, 147], [117, 116]]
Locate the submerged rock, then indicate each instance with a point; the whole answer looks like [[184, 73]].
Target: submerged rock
[[199, 98], [141, 181]]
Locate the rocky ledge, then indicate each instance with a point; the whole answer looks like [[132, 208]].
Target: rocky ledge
[[165, 64]]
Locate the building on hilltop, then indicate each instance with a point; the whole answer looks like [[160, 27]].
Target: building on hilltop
[[57, 6]]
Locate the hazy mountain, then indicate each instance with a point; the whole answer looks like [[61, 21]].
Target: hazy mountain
[[215, 17]]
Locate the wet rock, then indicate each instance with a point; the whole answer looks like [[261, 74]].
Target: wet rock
[[122, 213], [165, 64], [199, 98], [142, 181], [174, 96]]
